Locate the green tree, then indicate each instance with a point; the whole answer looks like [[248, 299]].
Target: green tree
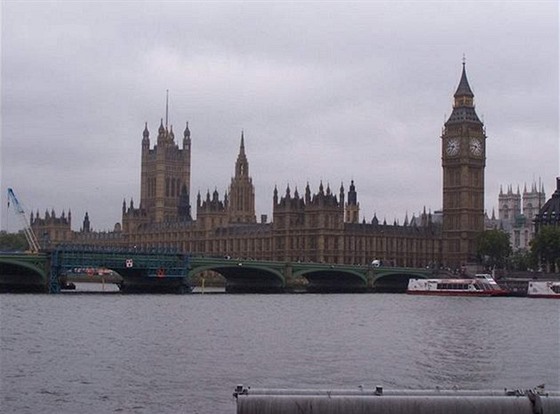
[[493, 248], [11, 242], [546, 247], [522, 260]]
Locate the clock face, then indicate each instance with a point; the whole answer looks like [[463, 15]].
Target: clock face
[[452, 147], [475, 146]]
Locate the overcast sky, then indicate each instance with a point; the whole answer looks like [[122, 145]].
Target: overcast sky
[[324, 91]]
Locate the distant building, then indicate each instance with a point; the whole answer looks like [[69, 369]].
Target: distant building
[[321, 226], [516, 214], [165, 180], [549, 213], [52, 229]]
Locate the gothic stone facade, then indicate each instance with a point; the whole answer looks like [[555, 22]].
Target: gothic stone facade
[[463, 144], [517, 212], [318, 227]]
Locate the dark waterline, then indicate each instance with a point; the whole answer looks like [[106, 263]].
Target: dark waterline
[[168, 354]]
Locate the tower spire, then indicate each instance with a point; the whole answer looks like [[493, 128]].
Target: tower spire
[[242, 165], [464, 88], [241, 203], [166, 108], [463, 148], [463, 105]]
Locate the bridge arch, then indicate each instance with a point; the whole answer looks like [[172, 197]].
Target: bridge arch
[[332, 279], [242, 276], [24, 273], [395, 280]]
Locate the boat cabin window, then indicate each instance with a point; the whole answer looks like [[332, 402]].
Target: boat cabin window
[[555, 288], [453, 286]]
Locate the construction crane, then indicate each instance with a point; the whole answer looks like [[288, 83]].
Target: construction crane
[[34, 246]]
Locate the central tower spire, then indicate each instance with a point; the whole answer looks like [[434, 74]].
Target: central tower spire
[[242, 165], [241, 190]]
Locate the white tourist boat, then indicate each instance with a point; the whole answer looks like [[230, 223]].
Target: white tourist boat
[[480, 285], [544, 289]]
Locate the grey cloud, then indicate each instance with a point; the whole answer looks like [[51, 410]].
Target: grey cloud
[[324, 91]]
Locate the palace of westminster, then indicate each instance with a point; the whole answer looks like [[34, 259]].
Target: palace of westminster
[[320, 226]]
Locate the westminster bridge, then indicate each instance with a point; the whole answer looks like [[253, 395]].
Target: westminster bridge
[[172, 272]]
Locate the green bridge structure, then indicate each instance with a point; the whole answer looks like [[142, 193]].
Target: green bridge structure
[[172, 272]]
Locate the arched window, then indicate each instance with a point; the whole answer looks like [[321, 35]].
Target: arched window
[[529, 210], [506, 211]]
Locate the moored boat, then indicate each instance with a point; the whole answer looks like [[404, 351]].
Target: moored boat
[[481, 285], [544, 289]]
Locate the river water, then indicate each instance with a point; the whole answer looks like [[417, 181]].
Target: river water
[[111, 353]]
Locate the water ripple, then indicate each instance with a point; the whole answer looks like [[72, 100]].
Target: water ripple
[[167, 354]]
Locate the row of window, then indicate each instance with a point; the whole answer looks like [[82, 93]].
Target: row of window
[[454, 286], [172, 187], [452, 178], [454, 222], [307, 249]]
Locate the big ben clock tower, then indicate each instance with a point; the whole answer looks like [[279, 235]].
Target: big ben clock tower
[[463, 158]]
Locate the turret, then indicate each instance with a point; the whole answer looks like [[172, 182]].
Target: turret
[[161, 133], [184, 208], [86, 228], [187, 138], [352, 206], [145, 138], [352, 195], [307, 194], [171, 134]]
